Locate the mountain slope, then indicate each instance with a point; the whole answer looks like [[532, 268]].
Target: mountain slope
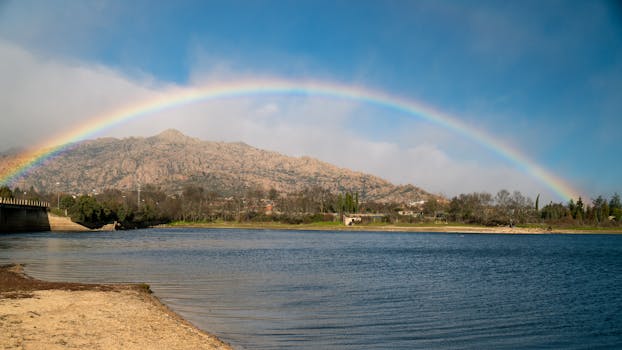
[[172, 160]]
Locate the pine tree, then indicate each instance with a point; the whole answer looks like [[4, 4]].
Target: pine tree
[[349, 202], [340, 203], [580, 213]]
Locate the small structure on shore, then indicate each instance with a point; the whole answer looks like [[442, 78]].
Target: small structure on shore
[[351, 219]]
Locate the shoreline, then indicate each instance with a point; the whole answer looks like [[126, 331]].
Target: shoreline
[[392, 228], [59, 315]]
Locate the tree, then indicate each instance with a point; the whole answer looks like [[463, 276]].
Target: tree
[[572, 208], [67, 202], [554, 212], [193, 193], [600, 209], [341, 203], [430, 207], [502, 198], [349, 202], [471, 208], [32, 194], [521, 208], [579, 211], [273, 194], [5, 192], [615, 207], [614, 202], [87, 211], [503, 207]]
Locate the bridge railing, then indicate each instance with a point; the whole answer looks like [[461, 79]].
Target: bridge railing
[[24, 202]]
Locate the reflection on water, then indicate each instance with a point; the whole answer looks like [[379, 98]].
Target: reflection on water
[[318, 290]]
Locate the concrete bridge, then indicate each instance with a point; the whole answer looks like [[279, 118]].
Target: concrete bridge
[[23, 215]]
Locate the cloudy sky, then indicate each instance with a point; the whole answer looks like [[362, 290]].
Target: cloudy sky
[[543, 77]]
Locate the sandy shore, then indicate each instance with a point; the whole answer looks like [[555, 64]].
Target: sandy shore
[[394, 228], [36, 314]]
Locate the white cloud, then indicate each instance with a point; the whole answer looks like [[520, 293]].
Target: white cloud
[[42, 98], [268, 109]]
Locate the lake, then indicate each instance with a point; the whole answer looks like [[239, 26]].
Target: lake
[[263, 289]]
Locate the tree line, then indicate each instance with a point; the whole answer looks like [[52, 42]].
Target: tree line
[[507, 208], [152, 206]]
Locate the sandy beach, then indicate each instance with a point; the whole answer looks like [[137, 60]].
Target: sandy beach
[[394, 228], [36, 314]]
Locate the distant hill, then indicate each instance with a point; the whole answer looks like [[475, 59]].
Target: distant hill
[[172, 160]]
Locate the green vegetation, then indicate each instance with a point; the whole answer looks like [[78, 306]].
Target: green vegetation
[[515, 209], [5, 192], [319, 208]]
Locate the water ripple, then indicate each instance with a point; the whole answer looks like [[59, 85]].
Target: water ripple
[[357, 290]]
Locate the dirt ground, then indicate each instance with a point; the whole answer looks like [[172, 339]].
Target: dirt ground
[[37, 314]]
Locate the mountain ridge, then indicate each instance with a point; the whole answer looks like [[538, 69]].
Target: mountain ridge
[[172, 160]]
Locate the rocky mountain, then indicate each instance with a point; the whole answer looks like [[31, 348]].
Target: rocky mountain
[[171, 160]]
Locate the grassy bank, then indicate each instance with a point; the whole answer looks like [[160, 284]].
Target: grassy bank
[[575, 228]]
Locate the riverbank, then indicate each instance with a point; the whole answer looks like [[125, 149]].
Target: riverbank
[[36, 314], [446, 228]]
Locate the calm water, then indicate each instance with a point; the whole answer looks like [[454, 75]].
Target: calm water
[[328, 290]]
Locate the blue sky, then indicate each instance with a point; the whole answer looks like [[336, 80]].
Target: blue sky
[[544, 76]]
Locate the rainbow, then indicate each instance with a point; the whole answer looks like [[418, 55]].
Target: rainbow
[[98, 124]]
